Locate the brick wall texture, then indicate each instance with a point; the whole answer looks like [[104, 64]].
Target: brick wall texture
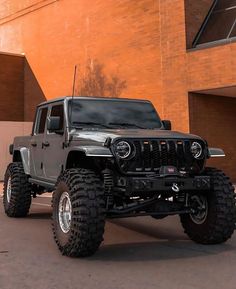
[[214, 118], [11, 88], [139, 43]]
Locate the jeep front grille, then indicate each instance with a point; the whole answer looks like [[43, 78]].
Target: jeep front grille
[[150, 155]]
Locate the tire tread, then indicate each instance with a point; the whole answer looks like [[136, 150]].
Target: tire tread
[[88, 220], [220, 228], [21, 191]]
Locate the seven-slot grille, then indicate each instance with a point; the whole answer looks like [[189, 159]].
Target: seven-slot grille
[[150, 155]]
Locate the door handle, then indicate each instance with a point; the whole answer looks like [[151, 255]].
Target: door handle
[[45, 144], [33, 144]]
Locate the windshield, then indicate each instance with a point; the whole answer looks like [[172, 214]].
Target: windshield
[[113, 114]]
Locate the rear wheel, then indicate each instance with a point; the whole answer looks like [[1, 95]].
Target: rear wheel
[[213, 219], [78, 213], [17, 191]]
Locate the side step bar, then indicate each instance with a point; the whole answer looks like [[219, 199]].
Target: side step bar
[[47, 185]]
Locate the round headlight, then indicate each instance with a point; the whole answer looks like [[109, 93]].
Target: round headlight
[[123, 149], [196, 150]]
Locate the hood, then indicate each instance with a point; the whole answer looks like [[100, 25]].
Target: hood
[[102, 135]]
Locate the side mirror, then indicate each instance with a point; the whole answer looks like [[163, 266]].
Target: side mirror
[[53, 124], [167, 124]]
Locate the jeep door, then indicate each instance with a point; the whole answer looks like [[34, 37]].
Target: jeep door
[[54, 154], [36, 151]]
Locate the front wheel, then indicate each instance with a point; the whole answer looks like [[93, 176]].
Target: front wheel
[[17, 191], [78, 213], [213, 219]]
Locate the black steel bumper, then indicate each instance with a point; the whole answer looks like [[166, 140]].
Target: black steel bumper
[[165, 184]]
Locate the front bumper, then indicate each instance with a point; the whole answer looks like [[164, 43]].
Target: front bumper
[[165, 184]]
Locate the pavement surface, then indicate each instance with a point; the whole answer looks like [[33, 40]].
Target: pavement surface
[[137, 253]]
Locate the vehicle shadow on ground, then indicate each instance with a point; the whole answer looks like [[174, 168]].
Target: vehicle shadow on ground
[[159, 250], [40, 216], [169, 244], [151, 230]]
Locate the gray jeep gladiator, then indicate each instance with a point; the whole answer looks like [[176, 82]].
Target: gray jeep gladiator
[[115, 158]]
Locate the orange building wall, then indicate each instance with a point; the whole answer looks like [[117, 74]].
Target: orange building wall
[[140, 42], [124, 38], [173, 52], [134, 41], [212, 68]]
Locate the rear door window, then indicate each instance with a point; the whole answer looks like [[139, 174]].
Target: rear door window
[[41, 120], [58, 110]]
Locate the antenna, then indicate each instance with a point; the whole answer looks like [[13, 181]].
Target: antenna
[[73, 91]]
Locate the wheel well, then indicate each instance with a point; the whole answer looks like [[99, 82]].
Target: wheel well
[[17, 156], [78, 159]]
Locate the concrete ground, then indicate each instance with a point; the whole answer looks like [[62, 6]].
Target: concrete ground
[[138, 253]]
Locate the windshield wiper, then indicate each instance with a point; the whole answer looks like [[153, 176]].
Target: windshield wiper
[[88, 123], [126, 124]]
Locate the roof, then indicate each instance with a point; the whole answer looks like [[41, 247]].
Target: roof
[[91, 98]]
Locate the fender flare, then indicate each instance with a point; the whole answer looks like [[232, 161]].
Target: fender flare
[[215, 153], [25, 158]]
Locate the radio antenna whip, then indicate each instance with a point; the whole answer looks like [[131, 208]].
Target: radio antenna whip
[[75, 72], [73, 92]]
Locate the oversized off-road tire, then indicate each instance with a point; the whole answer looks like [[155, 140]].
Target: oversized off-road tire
[[216, 223], [16, 191], [78, 212]]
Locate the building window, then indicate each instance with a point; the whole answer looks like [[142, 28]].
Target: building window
[[220, 23]]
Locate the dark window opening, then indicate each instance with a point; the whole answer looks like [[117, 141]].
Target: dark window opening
[[220, 23], [42, 120], [233, 33], [57, 110], [224, 4]]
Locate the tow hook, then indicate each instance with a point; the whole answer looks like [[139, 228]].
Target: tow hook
[[175, 188]]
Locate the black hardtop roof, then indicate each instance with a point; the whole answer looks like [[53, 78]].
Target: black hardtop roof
[[91, 98]]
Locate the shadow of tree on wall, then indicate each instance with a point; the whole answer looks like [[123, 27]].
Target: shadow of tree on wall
[[95, 82]]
